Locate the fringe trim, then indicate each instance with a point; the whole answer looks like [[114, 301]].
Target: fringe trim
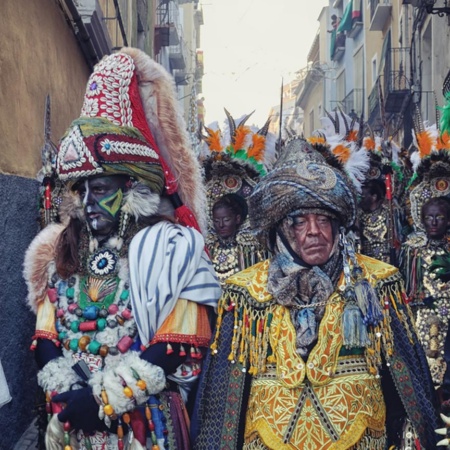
[[251, 336], [251, 342]]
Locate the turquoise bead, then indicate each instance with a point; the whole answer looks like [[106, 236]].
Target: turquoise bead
[[94, 347], [75, 325], [62, 335], [101, 324], [124, 295], [73, 345], [70, 292]]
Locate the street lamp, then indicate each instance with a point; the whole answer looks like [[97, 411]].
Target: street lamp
[[429, 7]]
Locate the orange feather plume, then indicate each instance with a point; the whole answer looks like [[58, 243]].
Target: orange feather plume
[[443, 142], [352, 136], [369, 143], [342, 153], [425, 142], [239, 137], [316, 140], [213, 140], [257, 148]]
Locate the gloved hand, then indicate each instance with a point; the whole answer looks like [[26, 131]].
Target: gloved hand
[[81, 410]]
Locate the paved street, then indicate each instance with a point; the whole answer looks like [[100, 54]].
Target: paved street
[[28, 441]]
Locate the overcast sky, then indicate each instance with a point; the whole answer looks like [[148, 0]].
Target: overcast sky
[[249, 46]]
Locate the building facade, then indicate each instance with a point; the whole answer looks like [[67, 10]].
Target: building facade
[[377, 59]]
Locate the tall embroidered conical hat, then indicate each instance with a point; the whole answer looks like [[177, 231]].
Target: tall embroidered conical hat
[[130, 124]]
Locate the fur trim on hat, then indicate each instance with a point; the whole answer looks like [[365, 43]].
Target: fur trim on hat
[[38, 258], [57, 375], [163, 115], [71, 207], [128, 367], [140, 201]]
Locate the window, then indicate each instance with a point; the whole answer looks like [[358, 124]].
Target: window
[[374, 70]]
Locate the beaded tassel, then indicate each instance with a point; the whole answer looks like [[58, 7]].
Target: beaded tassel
[[120, 443], [151, 427], [67, 445]]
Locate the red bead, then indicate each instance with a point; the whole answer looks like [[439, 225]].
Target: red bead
[[112, 309], [151, 425], [126, 314], [124, 344], [89, 325], [52, 295], [67, 426]]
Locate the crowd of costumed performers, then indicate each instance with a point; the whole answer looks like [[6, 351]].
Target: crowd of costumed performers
[[121, 284], [234, 158], [245, 296], [315, 347], [425, 259]]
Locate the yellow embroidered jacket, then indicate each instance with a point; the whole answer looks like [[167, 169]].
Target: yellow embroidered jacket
[[332, 400]]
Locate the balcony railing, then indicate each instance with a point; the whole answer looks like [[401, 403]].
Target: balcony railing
[[397, 75], [116, 14], [352, 104], [167, 26], [177, 55]]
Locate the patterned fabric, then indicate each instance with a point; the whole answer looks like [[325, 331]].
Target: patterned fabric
[[168, 262], [331, 400], [430, 297], [300, 180]]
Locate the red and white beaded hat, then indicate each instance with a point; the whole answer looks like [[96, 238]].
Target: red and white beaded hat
[[131, 124]]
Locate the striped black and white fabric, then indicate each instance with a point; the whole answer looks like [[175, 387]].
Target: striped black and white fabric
[[167, 262]]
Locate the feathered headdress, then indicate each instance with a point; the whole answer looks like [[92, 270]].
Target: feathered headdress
[[340, 135], [430, 158], [235, 157]]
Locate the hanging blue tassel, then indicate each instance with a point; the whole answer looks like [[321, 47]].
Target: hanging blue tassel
[[355, 331], [368, 302]]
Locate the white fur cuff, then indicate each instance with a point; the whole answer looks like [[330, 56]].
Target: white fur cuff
[[127, 377], [57, 375]]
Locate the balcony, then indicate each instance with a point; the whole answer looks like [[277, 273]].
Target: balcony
[[397, 77], [339, 47], [356, 28], [428, 107], [167, 26], [177, 56], [380, 11]]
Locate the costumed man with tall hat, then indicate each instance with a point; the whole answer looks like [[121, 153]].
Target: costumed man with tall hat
[[425, 258], [122, 287], [233, 160], [314, 348]]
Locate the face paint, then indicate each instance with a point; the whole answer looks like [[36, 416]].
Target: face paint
[[112, 203], [102, 199]]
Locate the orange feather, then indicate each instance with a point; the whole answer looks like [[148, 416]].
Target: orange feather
[[213, 140], [369, 143], [257, 148], [316, 140], [342, 153], [425, 142], [352, 136], [239, 137], [443, 142]]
